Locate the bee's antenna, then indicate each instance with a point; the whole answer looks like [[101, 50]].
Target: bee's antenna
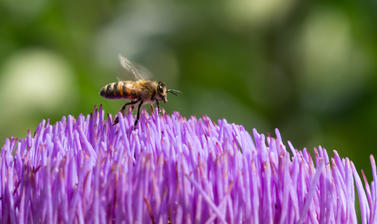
[[174, 92]]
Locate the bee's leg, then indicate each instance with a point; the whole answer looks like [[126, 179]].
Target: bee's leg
[[152, 109], [158, 105], [122, 110], [138, 113]]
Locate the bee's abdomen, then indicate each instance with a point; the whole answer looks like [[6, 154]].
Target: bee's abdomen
[[117, 90]]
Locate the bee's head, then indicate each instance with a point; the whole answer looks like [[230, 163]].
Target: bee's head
[[162, 91]]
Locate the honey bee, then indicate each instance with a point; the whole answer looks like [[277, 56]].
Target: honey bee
[[140, 92]]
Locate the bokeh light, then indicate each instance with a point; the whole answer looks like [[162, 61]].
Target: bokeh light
[[34, 84]]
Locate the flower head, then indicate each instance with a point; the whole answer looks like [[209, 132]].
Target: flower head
[[173, 169]]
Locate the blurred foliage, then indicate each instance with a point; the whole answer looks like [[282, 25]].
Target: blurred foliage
[[305, 67]]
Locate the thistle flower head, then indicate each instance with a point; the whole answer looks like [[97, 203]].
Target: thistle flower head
[[177, 170]]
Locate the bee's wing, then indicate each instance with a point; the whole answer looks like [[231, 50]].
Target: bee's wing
[[144, 71], [130, 67]]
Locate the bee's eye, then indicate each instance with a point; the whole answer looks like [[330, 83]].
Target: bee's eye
[[159, 89]]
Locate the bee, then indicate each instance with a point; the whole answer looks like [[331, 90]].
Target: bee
[[141, 91]]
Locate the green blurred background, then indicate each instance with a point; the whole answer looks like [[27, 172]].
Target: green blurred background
[[306, 67]]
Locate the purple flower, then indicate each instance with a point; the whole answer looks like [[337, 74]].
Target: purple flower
[[177, 170]]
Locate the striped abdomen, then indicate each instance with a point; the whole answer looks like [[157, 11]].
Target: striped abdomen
[[119, 90]]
